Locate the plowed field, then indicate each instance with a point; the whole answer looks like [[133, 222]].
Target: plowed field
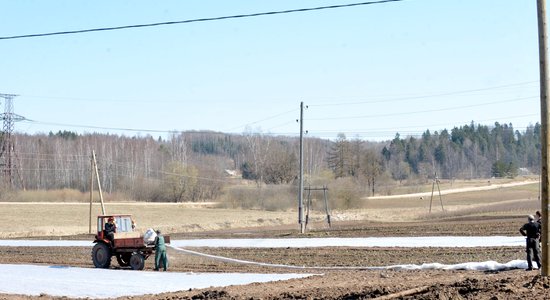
[[340, 284]]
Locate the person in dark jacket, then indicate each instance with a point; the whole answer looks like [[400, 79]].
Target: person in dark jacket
[[531, 230], [160, 253], [110, 229]]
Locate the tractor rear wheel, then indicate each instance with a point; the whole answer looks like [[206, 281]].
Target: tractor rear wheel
[[137, 261], [101, 255], [123, 259]]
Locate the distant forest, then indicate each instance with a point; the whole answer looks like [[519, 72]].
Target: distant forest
[[198, 166]]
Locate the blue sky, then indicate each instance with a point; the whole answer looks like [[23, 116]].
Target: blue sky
[[367, 71]]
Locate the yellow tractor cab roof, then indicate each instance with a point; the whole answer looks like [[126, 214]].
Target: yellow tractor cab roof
[[124, 222], [114, 216]]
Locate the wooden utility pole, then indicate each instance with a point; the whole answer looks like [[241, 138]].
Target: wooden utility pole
[[95, 171], [98, 182], [91, 190], [543, 68], [301, 185]]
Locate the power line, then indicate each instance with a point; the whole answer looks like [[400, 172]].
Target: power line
[[394, 129], [192, 177], [196, 20], [399, 98], [265, 119], [368, 132], [52, 154], [281, 125], [420, 111], [280, 114], [100, 127], [410, 130], [150, 130], [424, 96], [312, 131], [283, 113]]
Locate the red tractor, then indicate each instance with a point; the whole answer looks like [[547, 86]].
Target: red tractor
[[128, 246]]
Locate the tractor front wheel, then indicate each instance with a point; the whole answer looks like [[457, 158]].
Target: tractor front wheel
[[137, 261], [101, 255]]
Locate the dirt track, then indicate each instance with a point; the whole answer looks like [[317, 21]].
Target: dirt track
[[511, 284]]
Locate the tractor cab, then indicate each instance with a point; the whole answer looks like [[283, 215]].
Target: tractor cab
[[124, 224]]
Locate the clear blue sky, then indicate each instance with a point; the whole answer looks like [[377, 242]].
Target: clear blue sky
[[368, 71]]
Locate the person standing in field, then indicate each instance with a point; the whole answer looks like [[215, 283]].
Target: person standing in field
[[160, 254], [531, 230]]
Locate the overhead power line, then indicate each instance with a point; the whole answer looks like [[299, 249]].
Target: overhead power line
[[196, 20], [100, 127], [425, 126], [339, 98], [421, 111], [310, 119], [262, 120], [425, 96], [153, 130]]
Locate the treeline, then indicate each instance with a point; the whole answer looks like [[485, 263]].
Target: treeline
[[466, 152], [188, 166], [196, 166]]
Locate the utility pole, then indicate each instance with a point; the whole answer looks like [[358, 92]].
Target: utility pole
[[543, 68], [98, 182], [301, 185]]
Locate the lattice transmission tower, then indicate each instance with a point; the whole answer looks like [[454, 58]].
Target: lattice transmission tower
[[7, 152]]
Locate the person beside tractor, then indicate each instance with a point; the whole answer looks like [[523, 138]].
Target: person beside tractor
[[160, 253], [531, 230]]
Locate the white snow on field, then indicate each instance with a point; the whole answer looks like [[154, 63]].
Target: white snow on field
[[85, 282]]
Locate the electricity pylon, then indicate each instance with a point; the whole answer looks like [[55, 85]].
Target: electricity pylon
[[7, 152]]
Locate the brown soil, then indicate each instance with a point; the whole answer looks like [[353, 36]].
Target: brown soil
[[340, 284]]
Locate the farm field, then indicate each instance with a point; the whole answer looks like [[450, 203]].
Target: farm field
[[491, 213]]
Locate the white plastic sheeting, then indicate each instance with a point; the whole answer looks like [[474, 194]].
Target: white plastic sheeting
[[425, 241], [84, 282], [103, 283]]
